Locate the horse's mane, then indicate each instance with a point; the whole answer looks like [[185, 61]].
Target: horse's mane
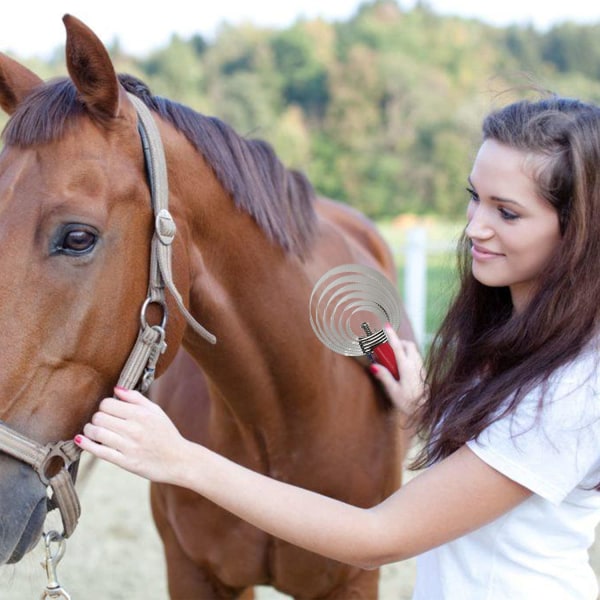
[[280, 200]]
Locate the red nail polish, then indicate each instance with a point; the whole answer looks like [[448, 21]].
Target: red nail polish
[[374, 369], [77, 439]]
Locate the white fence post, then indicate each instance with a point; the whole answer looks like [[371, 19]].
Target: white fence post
[[415, 280]]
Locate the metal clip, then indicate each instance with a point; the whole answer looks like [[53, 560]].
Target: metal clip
[[53, 588], [158, 347]]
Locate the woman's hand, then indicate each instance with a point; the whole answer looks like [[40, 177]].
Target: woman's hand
[[410, 391], [134, 433]]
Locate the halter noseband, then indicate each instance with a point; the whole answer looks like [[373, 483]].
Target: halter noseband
[[139, 369]]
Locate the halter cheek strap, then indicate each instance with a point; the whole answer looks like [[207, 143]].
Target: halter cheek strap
[[150, 344], [164, 225]]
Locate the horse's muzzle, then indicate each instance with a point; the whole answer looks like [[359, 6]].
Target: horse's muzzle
[[23, 509]]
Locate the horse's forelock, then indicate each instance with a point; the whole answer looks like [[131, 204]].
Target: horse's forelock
[[44, 115]]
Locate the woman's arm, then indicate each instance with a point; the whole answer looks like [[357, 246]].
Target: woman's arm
[[450, 499]]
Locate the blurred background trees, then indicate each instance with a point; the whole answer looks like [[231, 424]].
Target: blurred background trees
[[382, 111]]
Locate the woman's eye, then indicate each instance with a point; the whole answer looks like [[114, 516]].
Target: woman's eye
[[473, 197], [508, 215], [76, 240]]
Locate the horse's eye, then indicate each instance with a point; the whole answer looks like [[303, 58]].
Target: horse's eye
[[76, 240]]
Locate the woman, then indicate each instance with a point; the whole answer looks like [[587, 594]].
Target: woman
[[508, 503]]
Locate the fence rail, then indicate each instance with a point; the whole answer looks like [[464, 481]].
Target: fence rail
[[414, 254]]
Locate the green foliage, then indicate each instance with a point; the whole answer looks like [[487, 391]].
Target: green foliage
[[573, 48], [382, 110], [305, 75], [175, 71]]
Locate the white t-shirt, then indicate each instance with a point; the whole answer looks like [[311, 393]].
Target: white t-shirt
[[539, 550]]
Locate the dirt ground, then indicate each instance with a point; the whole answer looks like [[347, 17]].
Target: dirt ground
[[115, 553]]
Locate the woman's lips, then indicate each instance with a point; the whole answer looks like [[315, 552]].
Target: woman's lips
[[481, 253]]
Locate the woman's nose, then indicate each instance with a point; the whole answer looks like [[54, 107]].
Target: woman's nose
[[478, 223]]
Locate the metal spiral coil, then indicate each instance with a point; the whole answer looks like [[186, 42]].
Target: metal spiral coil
[[345, 299]]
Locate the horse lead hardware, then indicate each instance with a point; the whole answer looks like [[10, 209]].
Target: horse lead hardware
[[139, 368], [50, 563]]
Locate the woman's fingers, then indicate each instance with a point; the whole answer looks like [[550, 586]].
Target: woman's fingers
[[124, 403], [132, 397], [103, 435], [383, 375], [116, 423], [401, 347], [95, 447], [407, 392], [406, 352], [102, 424], [133, 433]]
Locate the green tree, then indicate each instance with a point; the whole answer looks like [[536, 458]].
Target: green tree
[[176, 72], [298, 54]]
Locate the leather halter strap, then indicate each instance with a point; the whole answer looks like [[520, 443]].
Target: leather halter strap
[[39, 457], [139, 369]]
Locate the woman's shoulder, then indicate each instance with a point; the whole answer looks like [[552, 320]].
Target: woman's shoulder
[[572, 392], [583, 370], [550, 441]]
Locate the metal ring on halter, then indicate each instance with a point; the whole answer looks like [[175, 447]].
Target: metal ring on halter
[[147, 302]]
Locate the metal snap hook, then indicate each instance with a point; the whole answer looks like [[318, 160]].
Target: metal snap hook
[[50, 563]]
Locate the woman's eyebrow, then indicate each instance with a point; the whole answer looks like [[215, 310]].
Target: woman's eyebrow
[[494, 198]]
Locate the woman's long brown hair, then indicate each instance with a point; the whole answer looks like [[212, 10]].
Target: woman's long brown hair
[[485, 357]]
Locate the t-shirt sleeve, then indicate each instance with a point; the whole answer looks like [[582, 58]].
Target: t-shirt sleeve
[[551, 449]]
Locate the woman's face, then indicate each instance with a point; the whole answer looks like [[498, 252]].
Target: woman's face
[[513, 231]]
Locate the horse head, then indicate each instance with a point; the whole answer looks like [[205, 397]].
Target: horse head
[[76, 225]]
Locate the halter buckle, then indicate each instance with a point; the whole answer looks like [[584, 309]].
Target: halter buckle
[[165, 227]]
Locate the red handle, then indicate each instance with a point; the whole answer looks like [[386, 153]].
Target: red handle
[[385, 356]]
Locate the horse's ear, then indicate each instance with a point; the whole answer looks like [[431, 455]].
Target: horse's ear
[[16, 83], [91, 69]]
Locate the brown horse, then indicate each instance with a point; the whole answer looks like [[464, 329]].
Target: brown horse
[[252, 240]]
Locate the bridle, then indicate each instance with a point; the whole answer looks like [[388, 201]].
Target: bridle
[[139, 370]]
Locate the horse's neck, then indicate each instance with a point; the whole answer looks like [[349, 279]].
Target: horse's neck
[[243, 288], [253, 297]]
